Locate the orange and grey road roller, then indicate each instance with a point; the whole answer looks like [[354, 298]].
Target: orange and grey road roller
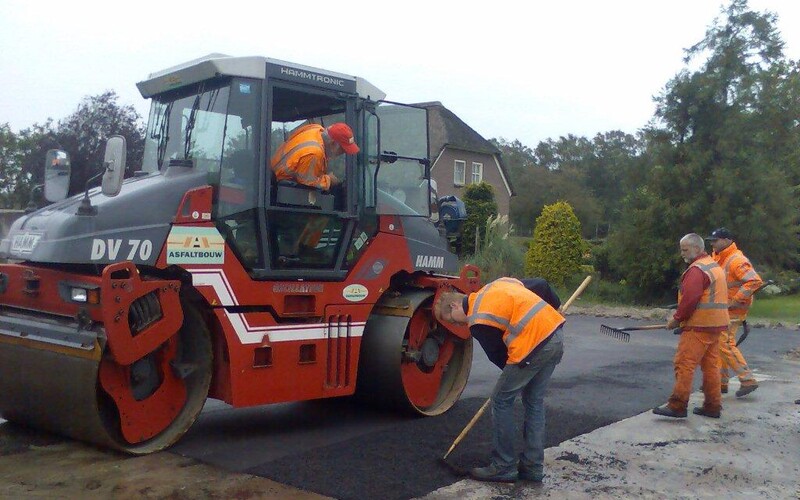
[[124, 307]]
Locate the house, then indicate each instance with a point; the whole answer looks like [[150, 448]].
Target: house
[[462, 157]]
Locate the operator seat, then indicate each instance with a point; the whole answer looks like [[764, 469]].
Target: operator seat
[[290, 193]]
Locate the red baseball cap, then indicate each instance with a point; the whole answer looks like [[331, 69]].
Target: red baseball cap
[[343, 134]]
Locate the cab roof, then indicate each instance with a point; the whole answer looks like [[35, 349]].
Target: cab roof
[[259, 67]]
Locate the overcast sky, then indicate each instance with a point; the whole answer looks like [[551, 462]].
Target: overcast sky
[[517, 70]]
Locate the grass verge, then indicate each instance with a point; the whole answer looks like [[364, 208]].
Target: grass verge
[[784, 308]]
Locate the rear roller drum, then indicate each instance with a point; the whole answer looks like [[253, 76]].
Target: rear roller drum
[[412, 363]]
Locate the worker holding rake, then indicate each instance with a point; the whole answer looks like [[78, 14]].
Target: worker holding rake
[[529, 327], [702, 315]]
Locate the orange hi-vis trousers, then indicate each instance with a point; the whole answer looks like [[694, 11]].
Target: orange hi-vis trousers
[[697, 348], [731, 359]]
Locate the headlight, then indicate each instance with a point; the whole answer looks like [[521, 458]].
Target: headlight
[[90, 296], [79, 295]]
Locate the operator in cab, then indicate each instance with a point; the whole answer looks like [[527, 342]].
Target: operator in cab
[[304, 157]]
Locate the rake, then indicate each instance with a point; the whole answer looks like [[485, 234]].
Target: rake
[[622, 333]]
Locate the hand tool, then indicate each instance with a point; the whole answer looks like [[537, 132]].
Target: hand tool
[[622, 333], [745, 326]]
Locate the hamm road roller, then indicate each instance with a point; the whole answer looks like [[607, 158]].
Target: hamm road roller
[[124, 307]]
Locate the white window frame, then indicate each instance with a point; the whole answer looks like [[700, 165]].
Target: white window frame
[[459, 181], [477, 172]]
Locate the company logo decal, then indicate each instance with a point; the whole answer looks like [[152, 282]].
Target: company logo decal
[[195, 245], [297, 288], [436, 261], [355, 292], [25, 242], [314, 77]]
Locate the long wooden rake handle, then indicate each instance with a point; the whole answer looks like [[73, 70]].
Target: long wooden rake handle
[[643, 327], [468, 427], [575, 295]]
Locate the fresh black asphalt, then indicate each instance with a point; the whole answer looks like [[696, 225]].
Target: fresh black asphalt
[[342, 449]]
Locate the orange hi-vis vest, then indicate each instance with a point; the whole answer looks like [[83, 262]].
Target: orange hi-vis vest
[[712, 310], [302, 158], [526, 319], [742, 279]]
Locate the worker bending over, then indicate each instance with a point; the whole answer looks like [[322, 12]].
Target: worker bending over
[[530, 330]]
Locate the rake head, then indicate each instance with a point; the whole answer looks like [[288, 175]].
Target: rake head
[[615, 333]]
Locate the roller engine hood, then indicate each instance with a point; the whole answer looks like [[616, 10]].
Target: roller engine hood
[[130, 226]]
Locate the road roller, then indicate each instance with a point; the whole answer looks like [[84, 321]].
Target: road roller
[[198, 275]]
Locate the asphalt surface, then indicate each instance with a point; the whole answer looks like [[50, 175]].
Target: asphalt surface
[[342, 450]]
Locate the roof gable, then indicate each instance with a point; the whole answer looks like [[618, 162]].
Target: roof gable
[[445, 129]]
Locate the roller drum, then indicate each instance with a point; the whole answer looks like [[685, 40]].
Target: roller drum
[[82, 393], [408, 362]]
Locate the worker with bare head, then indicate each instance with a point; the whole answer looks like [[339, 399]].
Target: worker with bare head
[[743, 281], [521, 333], [702, 316]]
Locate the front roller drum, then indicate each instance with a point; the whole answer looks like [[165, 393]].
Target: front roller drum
[[410, 362], [139, 408]]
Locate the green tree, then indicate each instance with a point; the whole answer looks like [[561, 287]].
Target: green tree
[[84, 133], [557, 249], [11, 156], [22, 159], [480, 205], [718, 141]]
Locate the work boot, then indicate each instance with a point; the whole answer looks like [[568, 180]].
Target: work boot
[[493, 474], [746, 389], [666, 411], [699, 410], [530, 475]]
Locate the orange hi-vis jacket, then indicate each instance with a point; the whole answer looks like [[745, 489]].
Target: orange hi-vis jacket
[[742, 279], [525, 319], [712, 310], [302, 158]]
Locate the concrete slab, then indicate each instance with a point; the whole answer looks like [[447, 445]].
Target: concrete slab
[[750, 452]]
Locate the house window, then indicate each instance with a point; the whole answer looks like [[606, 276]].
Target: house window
[[460, 173], [477, 172]]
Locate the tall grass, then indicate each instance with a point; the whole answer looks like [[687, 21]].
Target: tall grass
[[498, 254]]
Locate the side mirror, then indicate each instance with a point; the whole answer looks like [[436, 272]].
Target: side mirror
[[57, 172], [114, 164]]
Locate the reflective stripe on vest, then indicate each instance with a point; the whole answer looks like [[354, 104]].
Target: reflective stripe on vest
[[305, 141], [734, 258], [506, 304], [712, 310]]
